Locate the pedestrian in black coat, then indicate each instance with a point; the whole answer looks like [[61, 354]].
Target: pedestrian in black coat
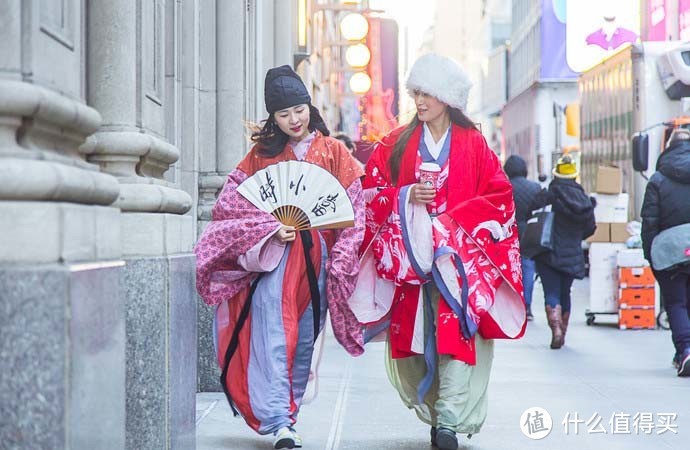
[[526, 194], [573, 222], [667, 204]]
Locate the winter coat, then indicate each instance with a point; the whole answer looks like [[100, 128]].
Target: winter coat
[[573, 221], [667, 198], [525, 192]]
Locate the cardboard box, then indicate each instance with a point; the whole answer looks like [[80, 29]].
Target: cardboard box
[[636, 319], [619, 233], [635, 277], [632, 257], [603, 297], [602, 233], [603, 277], [644, 298], [609, 180], [605, 255], [611, 208]]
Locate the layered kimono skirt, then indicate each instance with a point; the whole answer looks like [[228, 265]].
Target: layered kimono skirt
[[268, 373]]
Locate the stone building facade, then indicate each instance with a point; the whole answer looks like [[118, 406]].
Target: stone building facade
[[119, 121]]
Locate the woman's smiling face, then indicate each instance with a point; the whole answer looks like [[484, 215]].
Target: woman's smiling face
[[294, 121]]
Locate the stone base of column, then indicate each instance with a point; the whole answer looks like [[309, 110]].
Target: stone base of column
[[145, 234], [209, 372], [44, 232], [207, 363], [62, 383], [161, 352]]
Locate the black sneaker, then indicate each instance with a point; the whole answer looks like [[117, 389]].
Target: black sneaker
[[684, 363], [446, 439]]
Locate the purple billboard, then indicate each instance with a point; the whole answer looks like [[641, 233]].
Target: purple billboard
[[578, 35], [553, 41]]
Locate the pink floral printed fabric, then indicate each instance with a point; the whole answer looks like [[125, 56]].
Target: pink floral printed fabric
[[343, 269], [237, 226]]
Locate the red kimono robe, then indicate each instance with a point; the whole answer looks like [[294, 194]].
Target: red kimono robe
[[271, 353], [476, 255]]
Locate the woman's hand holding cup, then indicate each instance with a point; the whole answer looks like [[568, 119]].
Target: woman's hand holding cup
[[425, 191], [422, 193]]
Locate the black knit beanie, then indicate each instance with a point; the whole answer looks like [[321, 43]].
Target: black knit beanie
[[283, 88]]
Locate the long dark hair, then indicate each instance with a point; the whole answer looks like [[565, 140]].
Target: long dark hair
[[271, 140], [457, 117]]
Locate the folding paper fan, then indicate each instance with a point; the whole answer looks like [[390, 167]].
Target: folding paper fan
[[300, 194]]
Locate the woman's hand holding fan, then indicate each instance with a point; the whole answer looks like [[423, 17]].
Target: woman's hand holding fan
[[286, 234]]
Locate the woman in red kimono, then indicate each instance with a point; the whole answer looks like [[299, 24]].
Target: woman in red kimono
[[442, 261], [266, 322]]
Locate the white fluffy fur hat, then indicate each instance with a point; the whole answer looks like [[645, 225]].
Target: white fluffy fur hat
[[440, 77]]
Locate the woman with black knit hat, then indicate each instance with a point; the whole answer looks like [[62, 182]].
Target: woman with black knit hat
[[266, 322], [441, 249], [558, 268]]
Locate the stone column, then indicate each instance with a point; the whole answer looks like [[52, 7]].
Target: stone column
[[224, 106], [62, 385], [134, 51]]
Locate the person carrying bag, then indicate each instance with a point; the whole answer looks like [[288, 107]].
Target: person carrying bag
[[666, 240], [573, 221], [538, 236]]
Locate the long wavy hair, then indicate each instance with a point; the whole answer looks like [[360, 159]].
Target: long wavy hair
[[271, 140], [457, 117]]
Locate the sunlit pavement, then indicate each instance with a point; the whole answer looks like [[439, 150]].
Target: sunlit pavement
[[600, 372]]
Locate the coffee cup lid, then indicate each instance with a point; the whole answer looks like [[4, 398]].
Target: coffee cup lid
[[430, 167]]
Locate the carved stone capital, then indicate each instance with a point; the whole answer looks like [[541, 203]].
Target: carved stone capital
[[40, 133], [139, 161], [209, 188]]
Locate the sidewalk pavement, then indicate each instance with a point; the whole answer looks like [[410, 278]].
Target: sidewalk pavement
[[603, 374]]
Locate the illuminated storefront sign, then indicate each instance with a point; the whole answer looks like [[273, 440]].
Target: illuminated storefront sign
[[598, 28], [656, 20], [684, 20]]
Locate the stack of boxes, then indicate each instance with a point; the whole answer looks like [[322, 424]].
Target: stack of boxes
[[611, 212], [603, 277], [611, 215], [636, 291]]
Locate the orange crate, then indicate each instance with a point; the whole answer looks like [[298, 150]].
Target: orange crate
[[636, 319], [637, 298], [635, 277]]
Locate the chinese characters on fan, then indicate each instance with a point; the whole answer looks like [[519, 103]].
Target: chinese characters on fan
[[323, 204], [268, 190], [297, 185]]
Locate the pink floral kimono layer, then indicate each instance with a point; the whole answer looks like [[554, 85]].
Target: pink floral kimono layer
[[279, 293], [462, 247]]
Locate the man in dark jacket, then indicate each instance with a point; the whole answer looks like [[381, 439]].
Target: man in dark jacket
[[525, 193], [667, 204]]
